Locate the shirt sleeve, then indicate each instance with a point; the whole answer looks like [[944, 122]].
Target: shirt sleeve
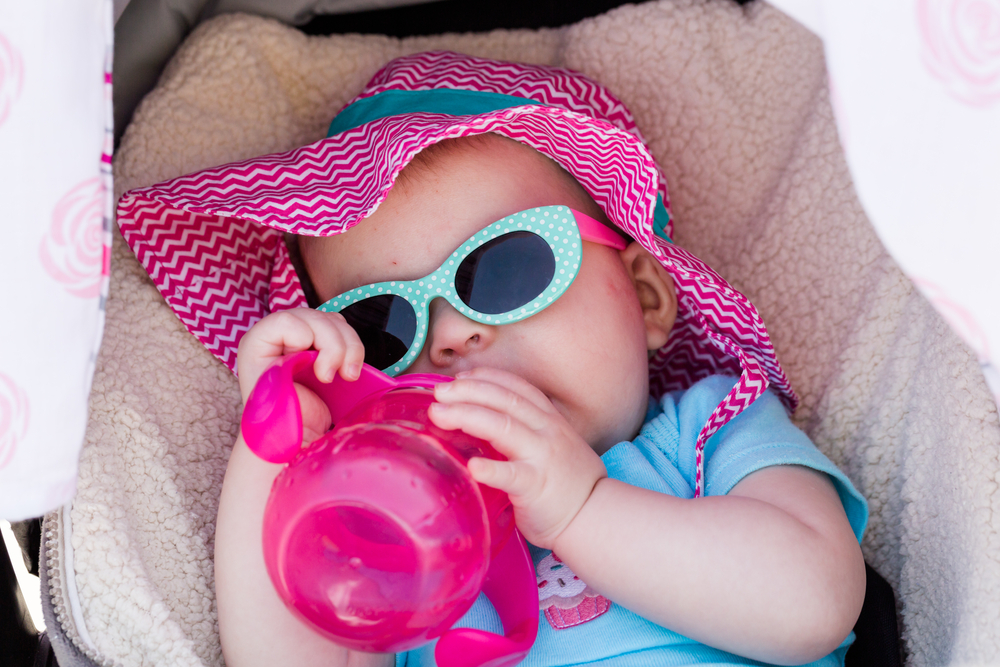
[[662, 457], [759, 437]]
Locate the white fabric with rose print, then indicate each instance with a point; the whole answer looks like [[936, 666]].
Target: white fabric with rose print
[[915, 86], [55, 189]]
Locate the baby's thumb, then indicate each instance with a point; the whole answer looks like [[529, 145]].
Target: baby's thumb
[[498, 474], [316, 418]]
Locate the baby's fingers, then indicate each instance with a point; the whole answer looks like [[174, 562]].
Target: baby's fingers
[[496, 397], [510, 437], [511, 382], [299, 329], [277, 334], [338, 345]]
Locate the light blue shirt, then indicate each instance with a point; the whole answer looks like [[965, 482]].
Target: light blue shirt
[[662, 459]]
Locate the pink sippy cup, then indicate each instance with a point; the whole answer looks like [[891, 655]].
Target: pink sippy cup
[[376, 535]]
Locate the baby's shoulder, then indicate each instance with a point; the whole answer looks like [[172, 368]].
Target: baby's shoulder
[[688, 412], [711, 389], [696, 404]]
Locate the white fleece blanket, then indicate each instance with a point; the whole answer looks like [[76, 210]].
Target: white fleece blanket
[[734, 104]]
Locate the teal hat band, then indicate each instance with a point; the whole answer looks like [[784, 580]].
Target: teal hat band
[[661, 219], [451, 102]]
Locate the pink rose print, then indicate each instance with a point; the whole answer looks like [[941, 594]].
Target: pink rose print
[[961, 46], [839, 112], [73, 250], [965, 325], [564, 597], [13, 418], [958, 318], [11, 76]]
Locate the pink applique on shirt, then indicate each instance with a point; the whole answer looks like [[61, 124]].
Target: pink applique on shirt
[[564, 597]]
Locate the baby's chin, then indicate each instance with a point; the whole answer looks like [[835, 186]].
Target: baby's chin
[[622, 426], [600, 437]]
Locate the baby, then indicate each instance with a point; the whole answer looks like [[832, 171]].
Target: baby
[[697, 528]]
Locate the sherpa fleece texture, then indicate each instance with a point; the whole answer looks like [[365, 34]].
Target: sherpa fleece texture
[[734, 104]]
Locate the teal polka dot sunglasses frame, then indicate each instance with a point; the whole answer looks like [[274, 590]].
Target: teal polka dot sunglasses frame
[[508, 271]]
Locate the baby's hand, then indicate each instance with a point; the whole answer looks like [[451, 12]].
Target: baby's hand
[[550, 471], [294, 330]]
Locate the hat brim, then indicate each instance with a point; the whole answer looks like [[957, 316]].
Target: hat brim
[[212, 240]]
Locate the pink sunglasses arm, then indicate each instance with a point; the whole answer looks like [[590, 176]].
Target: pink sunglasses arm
[[594, 230]]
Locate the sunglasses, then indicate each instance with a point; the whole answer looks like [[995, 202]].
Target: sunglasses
[[508, 271]]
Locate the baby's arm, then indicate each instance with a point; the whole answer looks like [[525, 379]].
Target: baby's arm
[[254, 625], [771, 571]]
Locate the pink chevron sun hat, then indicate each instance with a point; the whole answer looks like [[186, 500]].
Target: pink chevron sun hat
[[212, 241]]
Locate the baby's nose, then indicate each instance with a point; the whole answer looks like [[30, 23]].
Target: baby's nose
[[452, 337]]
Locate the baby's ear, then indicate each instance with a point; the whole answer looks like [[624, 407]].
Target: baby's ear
[[655, 289]]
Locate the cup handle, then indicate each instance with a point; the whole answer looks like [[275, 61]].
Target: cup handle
[[511, 587], [272, 419]]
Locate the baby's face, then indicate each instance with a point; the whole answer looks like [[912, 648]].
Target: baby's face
[[587, 351]]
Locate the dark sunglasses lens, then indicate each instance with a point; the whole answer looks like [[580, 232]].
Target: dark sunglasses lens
[[505, 273], [386, 325]]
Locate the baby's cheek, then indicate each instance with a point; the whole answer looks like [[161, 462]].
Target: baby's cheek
[[620, 382]]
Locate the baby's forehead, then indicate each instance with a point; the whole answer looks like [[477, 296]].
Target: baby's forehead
[[378, 248], [447, 194]]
